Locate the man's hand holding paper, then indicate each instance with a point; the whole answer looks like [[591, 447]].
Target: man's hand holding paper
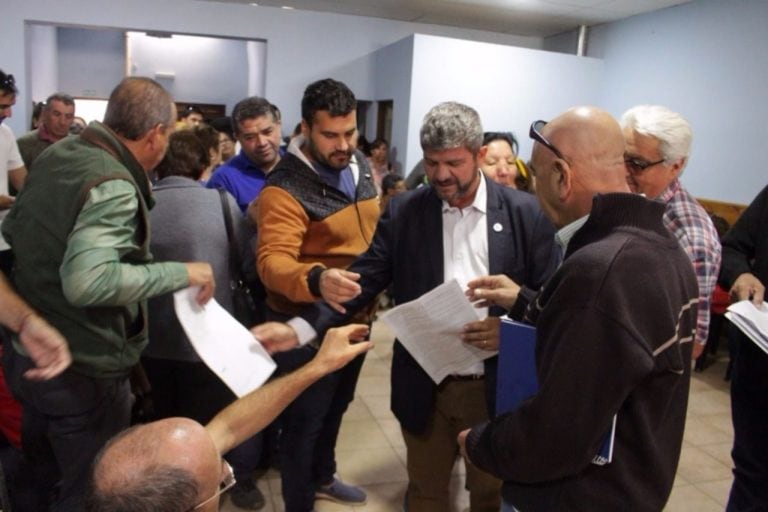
[[432, 328]]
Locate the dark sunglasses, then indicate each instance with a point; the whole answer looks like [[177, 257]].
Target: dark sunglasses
[[638, 166], [535, 134], [8, 83]]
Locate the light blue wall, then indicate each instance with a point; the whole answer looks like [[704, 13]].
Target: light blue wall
[[90, 62], [302, 46], [206, 70], [508, 86], [393, 67], [707, 60]]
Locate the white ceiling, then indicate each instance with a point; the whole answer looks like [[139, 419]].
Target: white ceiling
[[538, 18]]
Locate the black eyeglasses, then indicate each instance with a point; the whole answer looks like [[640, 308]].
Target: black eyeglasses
[[639, 166], [535, 134]]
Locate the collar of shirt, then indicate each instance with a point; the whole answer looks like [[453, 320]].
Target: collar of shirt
[[564, 234], [481, 199], [341, 180], [669, 192]]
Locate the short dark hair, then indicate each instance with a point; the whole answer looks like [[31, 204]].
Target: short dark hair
[[190, 109], [7, 83], [59, 96], [207, 136], [507, 137], [251, 108], [389, 182], [137, 105], [186, 156], [330, 95], [223, 125], [377, 143]]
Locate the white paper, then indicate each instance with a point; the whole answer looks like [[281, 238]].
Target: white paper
[[430, 328], [752, 320], [224, 345]]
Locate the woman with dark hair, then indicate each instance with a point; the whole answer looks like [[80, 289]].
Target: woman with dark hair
[[209, 138], [500, 162], [188, 225]]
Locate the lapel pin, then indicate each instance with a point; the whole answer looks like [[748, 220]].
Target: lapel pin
[[497, 227]]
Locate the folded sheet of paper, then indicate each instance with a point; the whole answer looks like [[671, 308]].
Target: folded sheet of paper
[[430, 328], [224, 345], [752, 320]]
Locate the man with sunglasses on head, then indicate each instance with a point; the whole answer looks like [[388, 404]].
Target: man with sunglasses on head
[[176, 464], [609, 343], [12, 167], [658, 145]]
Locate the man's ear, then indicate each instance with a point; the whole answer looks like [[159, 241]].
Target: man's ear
[[305, 128], [481, 153], [565, 178], [677, 167], [154, 136]]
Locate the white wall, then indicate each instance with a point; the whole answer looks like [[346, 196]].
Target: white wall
[[393, 67], [42, 48], [301, 46], [90, 62], [707, 60], [204, 69], [508, 86]]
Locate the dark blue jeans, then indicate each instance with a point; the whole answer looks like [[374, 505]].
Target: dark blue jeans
[[65, 422], [749, 409], [310, 429]]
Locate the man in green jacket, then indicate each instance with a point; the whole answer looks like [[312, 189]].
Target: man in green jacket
[[80, 236]]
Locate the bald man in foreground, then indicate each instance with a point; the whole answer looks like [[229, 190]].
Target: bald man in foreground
[[176, 465], [614, 330]]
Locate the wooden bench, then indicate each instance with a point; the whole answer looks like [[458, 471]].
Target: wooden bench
[[729, 211]]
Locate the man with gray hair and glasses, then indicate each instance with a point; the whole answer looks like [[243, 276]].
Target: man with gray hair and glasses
[[461, 226], [658, 145]]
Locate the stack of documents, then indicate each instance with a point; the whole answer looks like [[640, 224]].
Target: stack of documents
[[752, 320]]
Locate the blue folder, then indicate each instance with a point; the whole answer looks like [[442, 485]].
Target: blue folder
[[517, 380]]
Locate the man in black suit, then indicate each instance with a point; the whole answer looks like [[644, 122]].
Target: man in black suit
[[462, 226]]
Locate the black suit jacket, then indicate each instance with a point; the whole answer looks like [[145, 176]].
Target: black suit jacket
[[407, 250]]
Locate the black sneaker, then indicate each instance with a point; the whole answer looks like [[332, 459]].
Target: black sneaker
[[246, 495]]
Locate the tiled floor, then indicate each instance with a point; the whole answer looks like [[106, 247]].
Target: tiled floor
[[371, 452]]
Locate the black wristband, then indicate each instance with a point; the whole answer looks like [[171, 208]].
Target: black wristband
[[313, 280]]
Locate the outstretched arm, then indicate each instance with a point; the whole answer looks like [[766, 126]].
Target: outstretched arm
[[256, 410]]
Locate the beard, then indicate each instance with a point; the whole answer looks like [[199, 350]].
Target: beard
[[337, 160], [462, 189]]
